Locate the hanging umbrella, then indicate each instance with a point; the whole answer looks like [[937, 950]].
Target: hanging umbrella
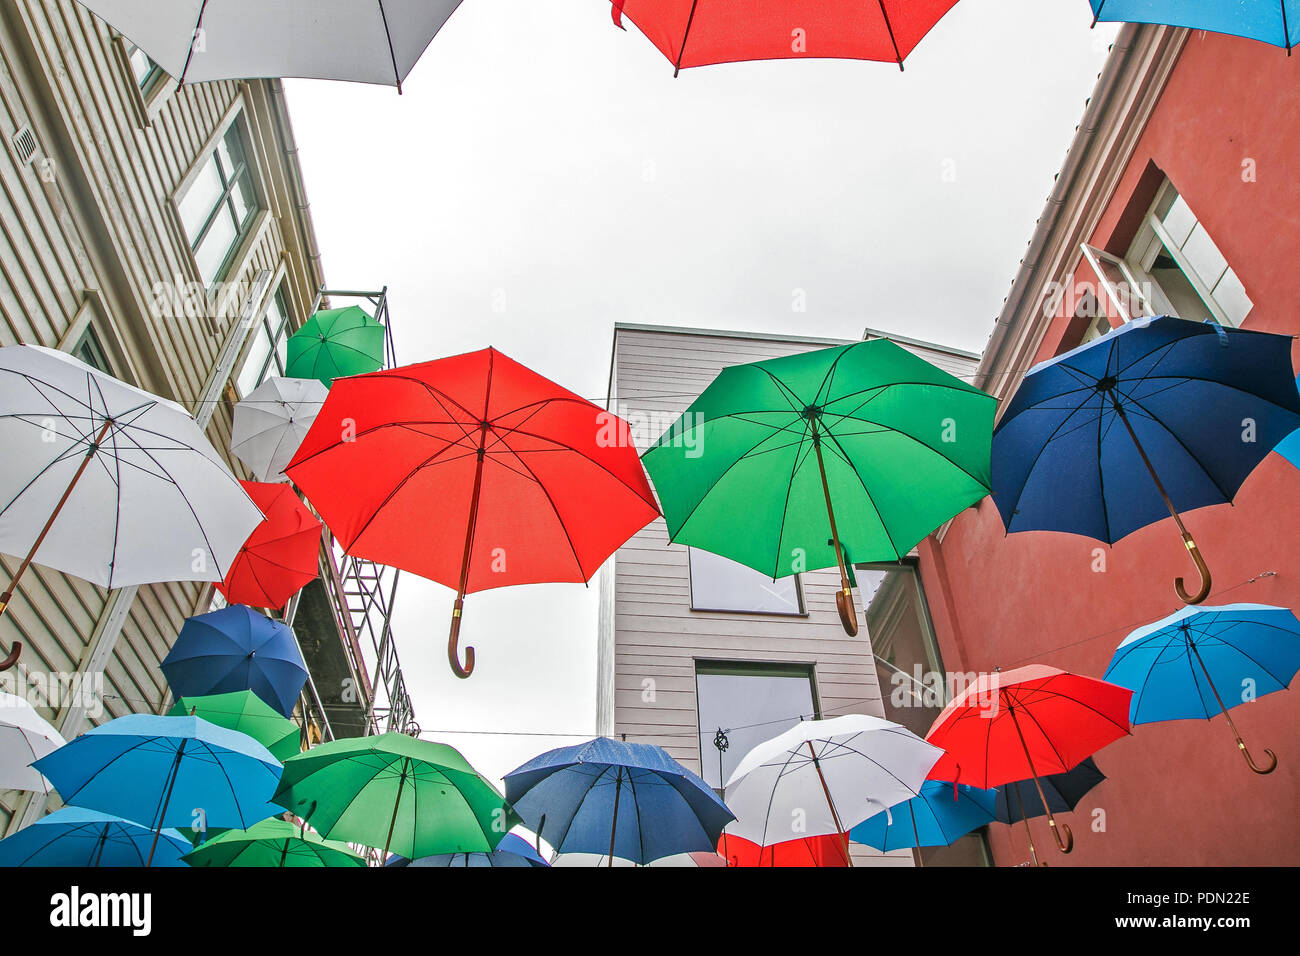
[[24, 736], [235, 649], [938, 816], [898, 445], [1018, 801], [280, 556], [107, 482], [606, 796], [1154, 418], [473, 471], [1272, 21], [826, 776], [1024, 723], [247, 713], [1289, 447], [164, 770], [364, 41], [412, 796], [829, 850], [700, 32], [272, 843], [512, 851], [1179, 668], [272, 421], [335, 343], [77, 837]]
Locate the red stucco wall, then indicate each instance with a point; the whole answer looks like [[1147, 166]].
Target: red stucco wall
[[1178, 793]]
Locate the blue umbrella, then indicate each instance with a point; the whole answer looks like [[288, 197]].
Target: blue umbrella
[[1158, 416], [1272, 21], [1179, 667], [236, 649], [166, 769], [932, 818], [75, 836], [627, 800], [513, 850], [1289, 447]]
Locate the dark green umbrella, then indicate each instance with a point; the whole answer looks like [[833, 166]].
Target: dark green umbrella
[[246, 712], [272, 842], [412, 796], [784, 464], [334, 343]]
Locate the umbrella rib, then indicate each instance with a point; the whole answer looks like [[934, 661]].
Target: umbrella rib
[[580, 453], [897, 431], [872, 501], [1041, 452], [1152, 417], [578, 809], [1251, 658], [785, 510]]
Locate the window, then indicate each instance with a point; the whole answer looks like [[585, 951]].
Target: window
[[219, 205], [266, 346], [751, 702], [720, 584], [145, 70], [911, 676], [89, 350]]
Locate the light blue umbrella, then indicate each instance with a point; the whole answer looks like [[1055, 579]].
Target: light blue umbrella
[[165, 771], [932, 818], [512, 851], [1289, 447], [75, 836], [1271, 21], [1180, 668]]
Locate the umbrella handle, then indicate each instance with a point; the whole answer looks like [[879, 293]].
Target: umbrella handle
[[848, 614], [1201, 567], [1064, 845], [1250, 761], [453, 654], [14, 652]]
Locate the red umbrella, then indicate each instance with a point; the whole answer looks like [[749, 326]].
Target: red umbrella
[[700, 32], [473, 471], [1027, 722], [825, 850], [280, 556]]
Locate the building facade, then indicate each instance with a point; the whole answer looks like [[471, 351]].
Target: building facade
[[1179, 195], [692, 644], [162, 235]]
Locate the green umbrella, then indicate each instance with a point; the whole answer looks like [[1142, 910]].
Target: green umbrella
[[247, 713], [334, 343], [272, 842], [778, 462], [412, 796]]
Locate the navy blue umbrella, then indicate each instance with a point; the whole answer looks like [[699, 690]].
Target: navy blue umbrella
[[235, 649], [512, 851], [609, 797], [1154, 418], [1020, 800]]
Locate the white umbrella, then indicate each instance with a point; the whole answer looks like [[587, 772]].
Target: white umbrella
[[825, 776], [367, 41], [107, 482], [272, 421], [25, 736]]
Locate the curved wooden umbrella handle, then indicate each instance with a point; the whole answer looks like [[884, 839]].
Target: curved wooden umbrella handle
[[453, 654], [1201, 567], [1250, 761], [848, 614], [12, 659], [1064, 845]]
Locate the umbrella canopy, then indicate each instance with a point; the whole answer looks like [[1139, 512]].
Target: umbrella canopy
[[357, 40], [164, 770], [24, 736], [1272, 21], [473, 471], [826, 776], [1019, 800], [1289, 447], [1178, 668], [234, 649], [272, 842], [335, 343], [272, 421], [247, 713], [933, 818], [828, 850], [1023, 723], [280, 556], [863, 447], [77, 837], [104, 481], [624, 800], [690, 33], [513, 850], [410, 796], [1144, 422]]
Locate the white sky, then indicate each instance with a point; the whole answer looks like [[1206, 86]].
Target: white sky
[[544, 176]]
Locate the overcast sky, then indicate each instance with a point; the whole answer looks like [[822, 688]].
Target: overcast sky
[[543, 176]]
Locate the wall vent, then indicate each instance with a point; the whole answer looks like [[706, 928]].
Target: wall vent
[[25, 145]]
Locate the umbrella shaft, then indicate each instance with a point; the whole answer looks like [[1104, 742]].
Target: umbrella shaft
[[401, 783], [162, 814], [1160, 487], [830, 511], [835, 816], [613, 829]]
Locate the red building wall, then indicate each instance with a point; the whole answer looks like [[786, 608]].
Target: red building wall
[[1178, 793]]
